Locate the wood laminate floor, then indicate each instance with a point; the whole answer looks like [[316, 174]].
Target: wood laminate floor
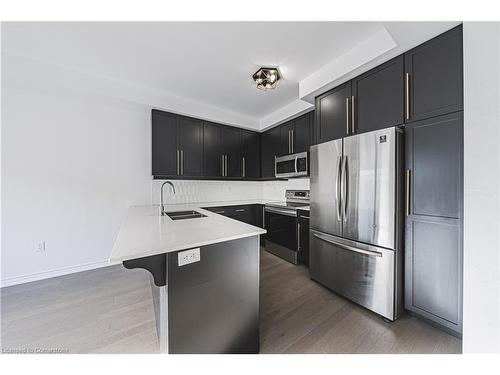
[[110, 310]]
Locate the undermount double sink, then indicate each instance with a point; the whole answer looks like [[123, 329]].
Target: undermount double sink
[[181, 215]]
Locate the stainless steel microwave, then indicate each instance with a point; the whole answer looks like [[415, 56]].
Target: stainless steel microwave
[[294, 165]]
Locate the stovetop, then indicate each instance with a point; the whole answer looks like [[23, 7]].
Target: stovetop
[[294, 199], [287, 204]]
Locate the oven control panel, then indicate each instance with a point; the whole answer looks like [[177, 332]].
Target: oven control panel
[[297, 195]]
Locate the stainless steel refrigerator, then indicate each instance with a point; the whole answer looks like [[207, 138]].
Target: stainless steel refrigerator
[[356, 235]]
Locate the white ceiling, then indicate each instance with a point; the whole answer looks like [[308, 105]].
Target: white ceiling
[[208, 62]]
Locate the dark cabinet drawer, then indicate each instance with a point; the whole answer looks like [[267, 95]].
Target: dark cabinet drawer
[[245, 213]]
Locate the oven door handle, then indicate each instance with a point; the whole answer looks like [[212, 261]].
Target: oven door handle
[[281, 212]]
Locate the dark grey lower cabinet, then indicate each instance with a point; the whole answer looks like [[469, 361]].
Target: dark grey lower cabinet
[[213, 304], [434, 221]]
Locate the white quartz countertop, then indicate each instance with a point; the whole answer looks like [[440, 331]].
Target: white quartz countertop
[[144, 232]]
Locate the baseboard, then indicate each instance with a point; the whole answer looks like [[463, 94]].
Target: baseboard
[[53, 273]]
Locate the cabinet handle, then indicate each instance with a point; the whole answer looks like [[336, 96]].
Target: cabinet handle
[[353, 109], [182, 162], [347, 115], [222, 165], [407, 91], [298, 236], [407, 193], [293, 139], [289, 148], [177, 160], [240, 210], [244, 167], [225, 165]]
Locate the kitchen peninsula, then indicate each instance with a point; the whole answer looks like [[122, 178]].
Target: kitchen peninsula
[[204, 276]]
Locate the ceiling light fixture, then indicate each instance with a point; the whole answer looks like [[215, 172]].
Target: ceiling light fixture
[[267, 78]]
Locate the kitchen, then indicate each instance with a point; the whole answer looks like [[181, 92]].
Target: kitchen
[[337, 225]]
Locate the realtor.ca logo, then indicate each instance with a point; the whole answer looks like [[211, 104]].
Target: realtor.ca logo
[[34, 351]]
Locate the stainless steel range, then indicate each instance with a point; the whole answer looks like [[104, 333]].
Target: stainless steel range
[[281, 225]]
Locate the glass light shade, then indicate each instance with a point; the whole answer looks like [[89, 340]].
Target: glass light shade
[[267, 78]]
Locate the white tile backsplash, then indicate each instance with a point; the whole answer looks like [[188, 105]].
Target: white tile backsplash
[[191, 191]]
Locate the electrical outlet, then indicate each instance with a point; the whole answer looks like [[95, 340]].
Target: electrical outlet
[[188, 256], [40, 247]]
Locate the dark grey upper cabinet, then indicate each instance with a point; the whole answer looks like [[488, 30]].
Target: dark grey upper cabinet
[[164, 143], [434, 222], [312, 131], [434, 77], [190, 132], [231, 148], [332, 114], [250, 155], [270, 143], [212, 153], [302, 133], [378, 97]]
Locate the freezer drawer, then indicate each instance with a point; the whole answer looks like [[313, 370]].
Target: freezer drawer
[[362, 273]]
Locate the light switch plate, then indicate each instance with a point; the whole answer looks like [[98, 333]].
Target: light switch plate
[[188, 256]]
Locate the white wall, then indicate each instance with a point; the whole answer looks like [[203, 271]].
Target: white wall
[[70, 168], [481, 330]]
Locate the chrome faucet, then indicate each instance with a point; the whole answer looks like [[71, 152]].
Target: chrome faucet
[[162, 206]]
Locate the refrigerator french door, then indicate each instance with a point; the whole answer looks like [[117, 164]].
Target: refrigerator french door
[[356, 219]]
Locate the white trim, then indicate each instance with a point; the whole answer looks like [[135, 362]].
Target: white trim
[[9, 281]]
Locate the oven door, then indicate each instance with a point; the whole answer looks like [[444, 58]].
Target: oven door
[[281, 236]]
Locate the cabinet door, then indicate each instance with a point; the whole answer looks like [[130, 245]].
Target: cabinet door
[[270, 147], [435, 76], [302, 133], [164, 144], [286, 146], [433, 250], [379, 97], [231, 145], [332, 114], [191, 146], [212, 155], [250, 147]]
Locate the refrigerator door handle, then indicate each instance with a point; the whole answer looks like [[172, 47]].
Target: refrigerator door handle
[[345, 196], [338, 187], [347, 247]]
